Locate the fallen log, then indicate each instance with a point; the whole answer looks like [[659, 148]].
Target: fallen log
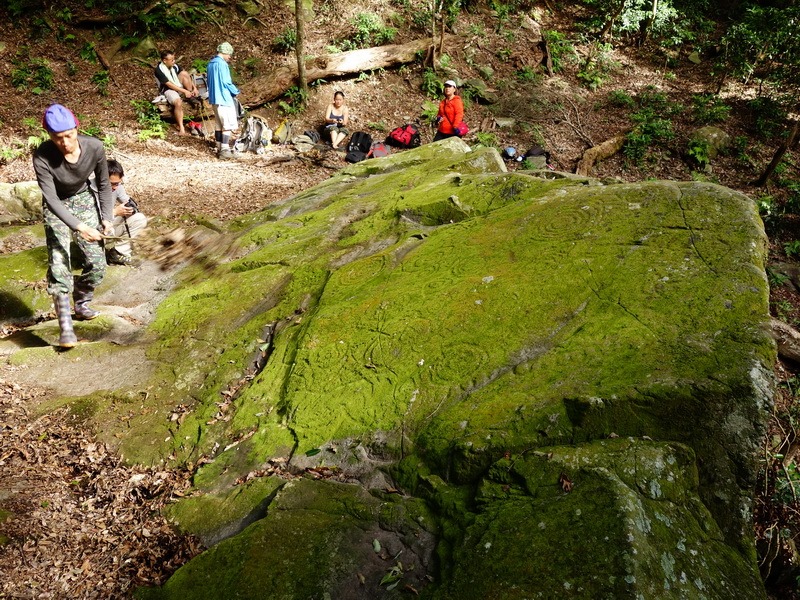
[[599, 152], [265, 88], [787, 338]]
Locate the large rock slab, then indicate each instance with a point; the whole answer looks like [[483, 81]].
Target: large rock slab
[[523, 352]]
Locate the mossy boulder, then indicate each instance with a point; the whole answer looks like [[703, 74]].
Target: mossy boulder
[[503, 349], [713, 139], [321, 540], [20, 202], [628, 508]]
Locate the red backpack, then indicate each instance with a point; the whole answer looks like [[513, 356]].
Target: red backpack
[[378, 150], [405, 136]]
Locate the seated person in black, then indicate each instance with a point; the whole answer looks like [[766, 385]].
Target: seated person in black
[[337, 116], [175, 83]]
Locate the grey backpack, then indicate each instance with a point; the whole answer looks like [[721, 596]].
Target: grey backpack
[[255, 136]]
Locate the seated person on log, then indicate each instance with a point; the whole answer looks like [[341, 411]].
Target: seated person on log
[[175, 83], [128, 221], [337, 116]]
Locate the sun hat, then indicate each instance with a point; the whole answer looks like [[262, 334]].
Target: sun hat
[[225, 48], [58, 118], [450, 82]]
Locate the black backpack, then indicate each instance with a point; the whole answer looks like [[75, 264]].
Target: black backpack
[[354, 156], [313, 135], [360, 141], [405, 136]]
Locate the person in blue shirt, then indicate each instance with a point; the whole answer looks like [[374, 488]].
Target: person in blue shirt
[[221, 93]]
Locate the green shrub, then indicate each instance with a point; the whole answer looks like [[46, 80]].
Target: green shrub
[[792, 249], [88, 53], [597, 67], [709, 109], [487, 139], [178, 16], [369, 30], [33, 75], [422, 19], [295, 100], [432, 85], [766, 207], [699, 152], [253, 66], [149, 119], [562, 52], [769, 116], [101, 79], [621, 98], [200, 65], [286, 41], [11, 153], [528, 75], [36, 132], [429, 110]]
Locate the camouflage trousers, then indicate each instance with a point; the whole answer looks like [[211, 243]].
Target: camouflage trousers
[[59, 239]]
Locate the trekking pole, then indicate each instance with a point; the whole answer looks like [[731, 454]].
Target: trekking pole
[[203, 115]]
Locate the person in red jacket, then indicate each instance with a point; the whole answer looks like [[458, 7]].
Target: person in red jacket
[[451, 112]]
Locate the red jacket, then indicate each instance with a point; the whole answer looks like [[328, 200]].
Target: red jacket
[[452, 112]]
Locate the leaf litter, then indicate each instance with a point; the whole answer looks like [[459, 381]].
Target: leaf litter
[[75, 522]]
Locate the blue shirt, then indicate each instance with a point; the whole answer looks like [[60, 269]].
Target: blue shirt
[[220, 85]]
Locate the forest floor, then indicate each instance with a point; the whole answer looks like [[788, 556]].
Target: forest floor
[[91, 527]]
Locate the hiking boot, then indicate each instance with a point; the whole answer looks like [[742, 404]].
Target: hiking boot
[[114, 257], [82, 297], [67, 339]]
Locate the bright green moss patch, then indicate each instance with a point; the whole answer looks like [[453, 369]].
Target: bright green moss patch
[[214, 517]]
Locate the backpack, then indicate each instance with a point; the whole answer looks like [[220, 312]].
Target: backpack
[[240, 112], [405, 136], [538, 151], [354, 156], [302, 142], [360, 142], [283, 134], [313, 135], [255, 135], [378, 150]]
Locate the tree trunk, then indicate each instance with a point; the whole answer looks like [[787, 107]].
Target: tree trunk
[[610, 22], [299, 48], [273, 85], [776, 159]]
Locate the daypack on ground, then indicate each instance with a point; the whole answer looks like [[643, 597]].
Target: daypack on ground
[[283, 133], [360, 141], [538, 151], [405, 136], [378, 150], [354, 156], [312, 135], [255, 136]]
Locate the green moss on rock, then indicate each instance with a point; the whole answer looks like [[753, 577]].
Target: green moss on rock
[[318, 539]]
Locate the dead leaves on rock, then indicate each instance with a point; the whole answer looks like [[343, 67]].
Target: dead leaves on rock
[[206, 249]]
